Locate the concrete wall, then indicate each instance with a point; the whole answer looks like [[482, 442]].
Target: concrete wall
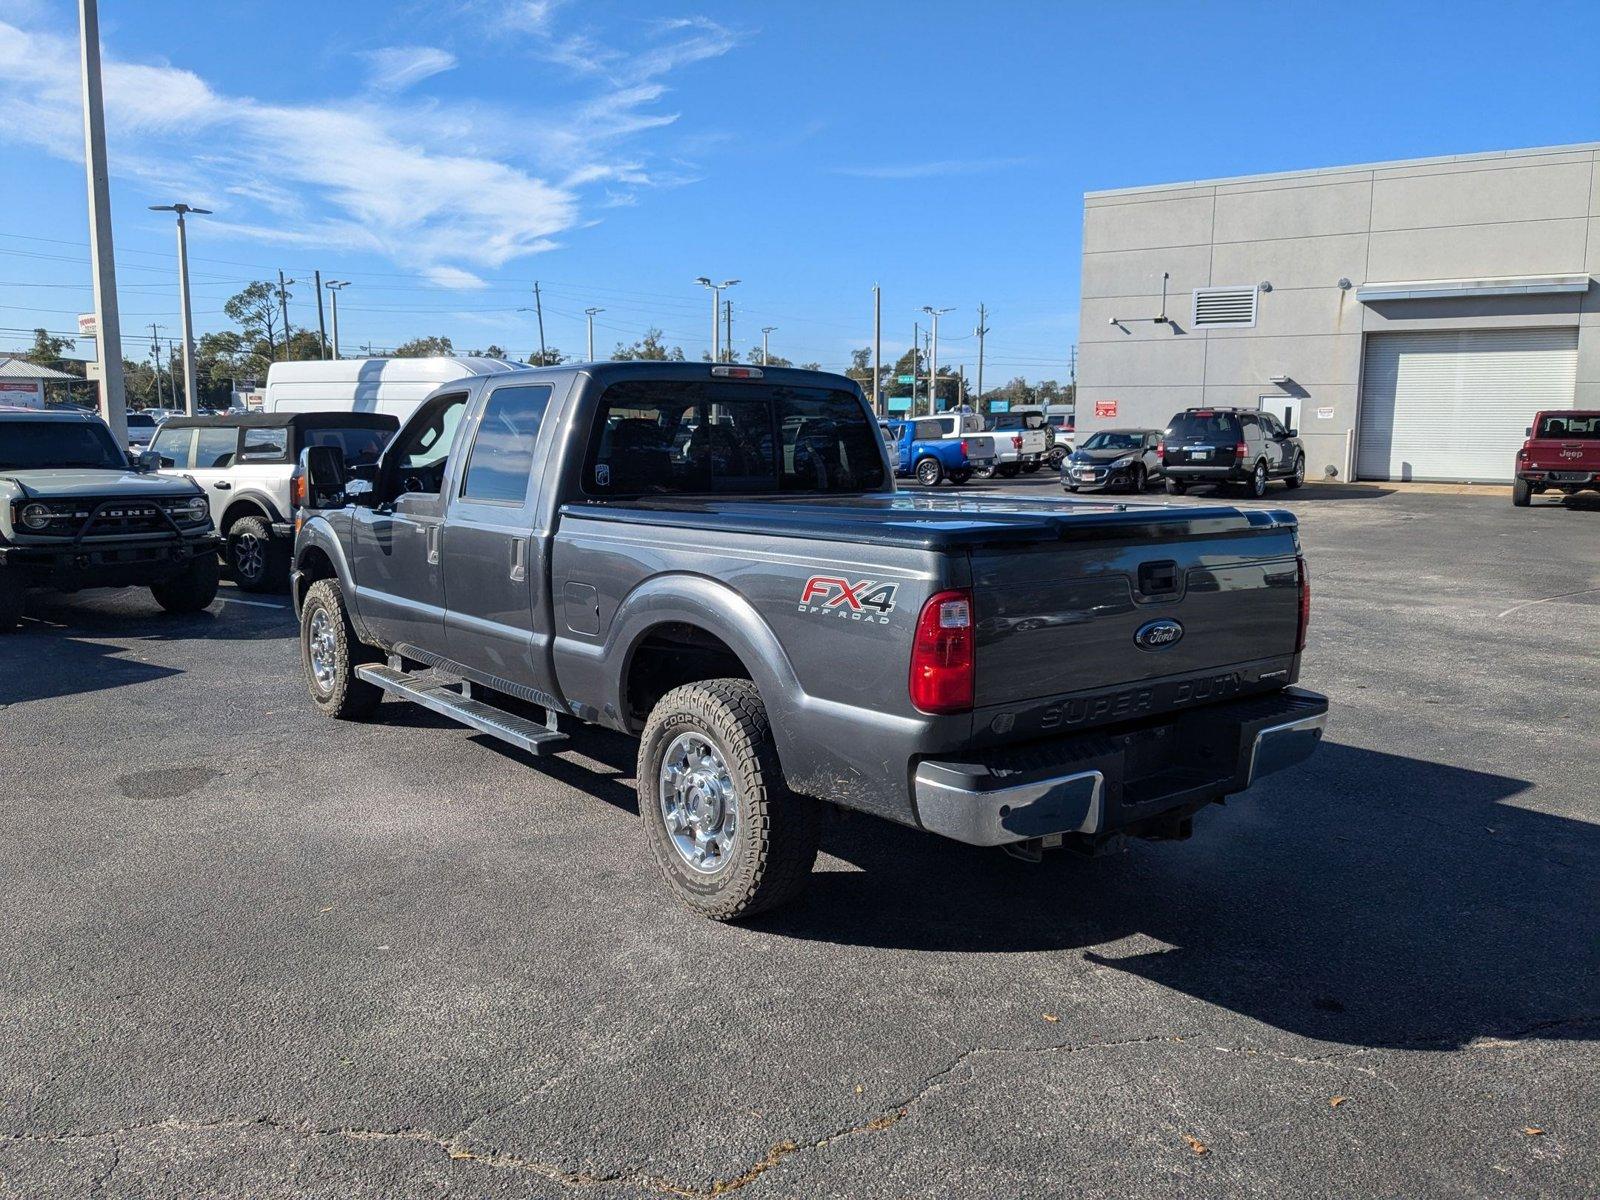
[[1519, 213]]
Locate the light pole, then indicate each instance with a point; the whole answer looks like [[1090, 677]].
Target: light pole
[[183, 297], [283, 308], [716, 313], [765, 330], [933, 357], [335, 286], [590, 312], [108, 324]]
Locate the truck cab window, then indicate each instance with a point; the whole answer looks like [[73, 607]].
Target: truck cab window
[[175, 447], [502, 450], [215, 447], [422, 448]]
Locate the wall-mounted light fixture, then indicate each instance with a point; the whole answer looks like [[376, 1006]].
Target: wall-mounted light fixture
[[1264, 286], [1280, 380], [1344, 284]]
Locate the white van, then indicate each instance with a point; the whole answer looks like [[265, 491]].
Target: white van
[[394, 386]]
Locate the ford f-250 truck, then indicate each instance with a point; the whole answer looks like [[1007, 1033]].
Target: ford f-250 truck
[[714, 559]]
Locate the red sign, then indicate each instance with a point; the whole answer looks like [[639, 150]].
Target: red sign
[[1105, 408]]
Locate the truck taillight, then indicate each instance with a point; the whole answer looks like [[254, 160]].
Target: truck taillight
[[942, 654], [1161, 452], [297, 490], [1240, 451], [1016, 443], [1305, 606], [963, 447]]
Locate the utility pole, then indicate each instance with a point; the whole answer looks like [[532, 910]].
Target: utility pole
[[916, 360], [538, 308], [283, 308], [108, 323], [877, 347], [933, 357], [183, 302], [322, 329], [982, 331], [590, 312], [765, 330], [155, 358], [727, 313], [716, 312], [335, 286]]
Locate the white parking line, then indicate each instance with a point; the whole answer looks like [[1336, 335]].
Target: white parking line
[[253, 603]]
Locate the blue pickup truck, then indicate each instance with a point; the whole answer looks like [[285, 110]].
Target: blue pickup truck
[[920, 448]]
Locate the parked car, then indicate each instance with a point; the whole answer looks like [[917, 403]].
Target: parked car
[[784, 630], [1562, 454], [1112, 458], [248, 464], [1029, 425], [1230, 445], [75, 514], [919, 449], [142, 426]]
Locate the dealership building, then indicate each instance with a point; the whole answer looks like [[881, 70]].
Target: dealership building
[[1407, 317]]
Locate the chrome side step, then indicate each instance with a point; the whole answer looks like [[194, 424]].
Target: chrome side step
[[432, 689]]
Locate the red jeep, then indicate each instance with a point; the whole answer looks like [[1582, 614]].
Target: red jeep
[[1562, 453]]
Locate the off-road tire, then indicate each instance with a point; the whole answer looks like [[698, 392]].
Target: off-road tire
[[1521, 492], [1176, 487], [348, 697], [964, 475], [1298, 475], [929, 472], [984, 472], [267, 568], [777, 833], [1008, 470], [13, 597], [191, 589]]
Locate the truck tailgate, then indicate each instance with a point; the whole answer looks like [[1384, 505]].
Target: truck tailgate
[[1059, 621]]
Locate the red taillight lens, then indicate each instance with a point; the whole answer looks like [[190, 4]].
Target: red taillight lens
[[1240, 451], [942, 655], [1305, 605], [1161, 452], [963, 447], [1016, 442]]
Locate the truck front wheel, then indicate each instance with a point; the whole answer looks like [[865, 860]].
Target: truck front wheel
[[728, 834], [192, 588], [260, 561], [330, 653]]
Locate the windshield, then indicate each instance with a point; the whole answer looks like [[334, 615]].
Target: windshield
[[34, 445], [1018, 421], [139, 420], [1110, 439], [1573, 427], [360, 447], [688, 436], [1201, 425]]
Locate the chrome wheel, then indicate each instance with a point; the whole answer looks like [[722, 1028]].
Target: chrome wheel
[[1300, 469], [1258, 483], [699, 803], [324, 650], [249, 559]]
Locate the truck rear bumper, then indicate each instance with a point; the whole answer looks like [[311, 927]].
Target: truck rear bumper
[[1102, 783]]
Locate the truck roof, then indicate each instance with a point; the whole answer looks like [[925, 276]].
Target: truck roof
[[277, 420], [439, 369], [47, 414]]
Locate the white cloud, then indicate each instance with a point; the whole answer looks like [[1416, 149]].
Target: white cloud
[[447, 188], [395, 68]]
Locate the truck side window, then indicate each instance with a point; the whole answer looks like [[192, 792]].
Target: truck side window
[[422, 448], [265, 445], [501, 458], [929, 431], [175, 448], [216, 447]]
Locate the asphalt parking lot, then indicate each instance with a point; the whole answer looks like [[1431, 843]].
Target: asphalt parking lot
[[248, 952]]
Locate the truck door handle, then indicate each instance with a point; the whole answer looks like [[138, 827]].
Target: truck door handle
[[433, 545], [222, 485], [519, 560]]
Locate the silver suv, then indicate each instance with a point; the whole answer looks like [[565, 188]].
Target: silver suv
[[248, 464]]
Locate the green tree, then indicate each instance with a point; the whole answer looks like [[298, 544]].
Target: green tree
[[551, 357], [773, 360], [491, 351], [48, 351], [255, 311], [651, 348], [425, 347]]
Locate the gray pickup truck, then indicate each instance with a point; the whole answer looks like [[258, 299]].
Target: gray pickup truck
[[714, 560], [75, 513]]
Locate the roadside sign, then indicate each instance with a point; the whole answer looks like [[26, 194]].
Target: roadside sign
[[88, 326], [91, 369], [22, 393], [907, 379], [1105, 408]]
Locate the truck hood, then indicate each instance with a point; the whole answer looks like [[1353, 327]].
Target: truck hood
[[73, 482], [938, 522], [1104, 455]]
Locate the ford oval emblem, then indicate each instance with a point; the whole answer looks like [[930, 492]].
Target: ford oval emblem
[[1158, 635]]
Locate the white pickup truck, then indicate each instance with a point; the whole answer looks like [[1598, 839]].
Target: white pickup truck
[[1008, 447], [1033, 428]]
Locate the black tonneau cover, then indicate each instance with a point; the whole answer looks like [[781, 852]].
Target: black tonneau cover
[[933, 523]]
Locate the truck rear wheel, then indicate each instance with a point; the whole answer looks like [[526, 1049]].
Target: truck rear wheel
[[1029, 468], [330, 654], [1176, 487], [961, 476], [728, 834], [1008, 471], [929, 472], [1521, 492], [192, 588], [260, 561]]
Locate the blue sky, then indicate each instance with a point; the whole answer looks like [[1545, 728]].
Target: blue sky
[[443, 156]]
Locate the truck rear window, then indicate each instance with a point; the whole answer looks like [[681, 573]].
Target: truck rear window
[[32, 445], [360, 446], [684, 436], [1204, 426], [1574, 427]]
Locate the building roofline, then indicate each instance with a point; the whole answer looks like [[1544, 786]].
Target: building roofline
[[1312, 173]]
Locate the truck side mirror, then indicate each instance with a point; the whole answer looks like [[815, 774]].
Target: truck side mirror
[[1294, 433], [1528, 432], [147, 462], [324, 473]]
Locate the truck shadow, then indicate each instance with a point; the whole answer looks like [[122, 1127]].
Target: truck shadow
[[1366, 898]]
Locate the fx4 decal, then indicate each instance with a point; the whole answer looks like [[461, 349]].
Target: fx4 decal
[[864, 600]]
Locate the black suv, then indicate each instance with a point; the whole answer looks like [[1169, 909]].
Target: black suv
[[1230, 445]]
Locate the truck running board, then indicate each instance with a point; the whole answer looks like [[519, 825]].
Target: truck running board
[[435, 690]]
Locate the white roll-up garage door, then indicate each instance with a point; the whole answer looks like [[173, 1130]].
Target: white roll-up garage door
[[1454, 405]]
